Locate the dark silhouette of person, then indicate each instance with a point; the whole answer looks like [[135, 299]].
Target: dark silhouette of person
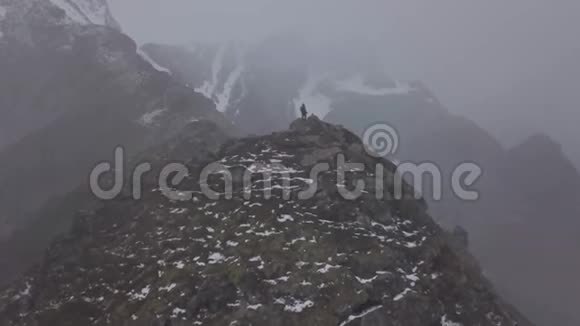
[[303, 111]]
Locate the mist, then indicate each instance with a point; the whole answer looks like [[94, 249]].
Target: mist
[[284, 88], [466, 52]]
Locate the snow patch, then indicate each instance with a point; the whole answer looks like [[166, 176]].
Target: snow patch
[[86, 12], [365, 281], [255, 259], [400, 296], [148, 119], [216, 258], [230, 243], [25, 292], [178, 311], [285, 218], [223, 98], [295, 306], [155, 65], [255, 307], [410, 245], [327, 268], [447, 322], [359, 316], [208, 88], [412, 277], [168, 288], [357, 85], [142, 295]]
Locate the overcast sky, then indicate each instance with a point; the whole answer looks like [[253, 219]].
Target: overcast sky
[[464, 50]]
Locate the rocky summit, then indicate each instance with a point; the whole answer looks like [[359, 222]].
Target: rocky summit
[[306, 255]]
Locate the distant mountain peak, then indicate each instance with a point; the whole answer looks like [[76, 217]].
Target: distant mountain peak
[[542, 142]]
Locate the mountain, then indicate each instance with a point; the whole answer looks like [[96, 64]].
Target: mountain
[[72, 89], [239, 80], [313, 257], [527, 205], [265, 82], [546, 102], [528, 194], [40, 34], [70, 92], [559, 180]]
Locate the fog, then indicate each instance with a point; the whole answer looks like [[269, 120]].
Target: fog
[[465, 51], [468, 53], [68, 99]]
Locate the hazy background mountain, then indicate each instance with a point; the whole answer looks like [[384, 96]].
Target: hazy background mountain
[[484, 60]]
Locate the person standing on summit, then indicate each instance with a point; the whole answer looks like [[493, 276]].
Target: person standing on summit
[[303, 111]]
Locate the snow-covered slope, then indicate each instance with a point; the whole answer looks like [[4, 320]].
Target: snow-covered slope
[[155, 65], [94, 12], [81, 12], [226, 74], [243, 80]]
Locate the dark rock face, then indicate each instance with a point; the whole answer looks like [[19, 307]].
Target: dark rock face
[[196, 143], [87, 91], [311, 258], [72, 90], [39, 59]]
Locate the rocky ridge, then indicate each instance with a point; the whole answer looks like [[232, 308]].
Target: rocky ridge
[[320, 259], [528, 194]]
